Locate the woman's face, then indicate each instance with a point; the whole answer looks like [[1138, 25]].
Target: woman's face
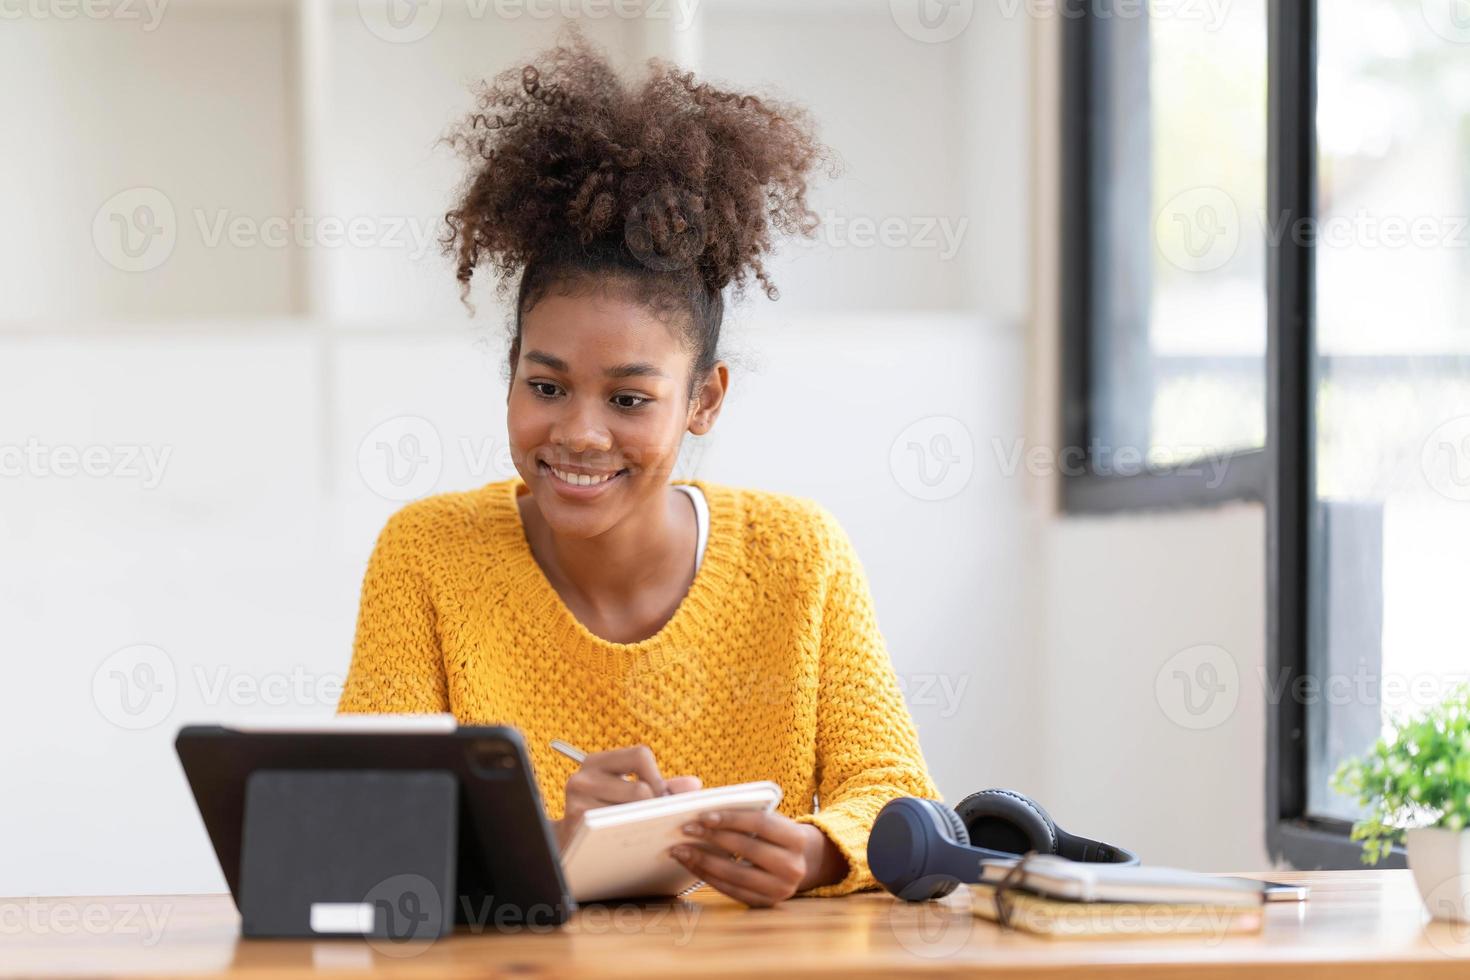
[[600, 389]]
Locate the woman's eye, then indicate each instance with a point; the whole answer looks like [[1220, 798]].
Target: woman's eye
[[538, 386], [638, 401]]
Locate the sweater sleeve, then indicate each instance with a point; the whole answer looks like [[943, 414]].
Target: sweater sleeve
[[867, 745], [397, 665]]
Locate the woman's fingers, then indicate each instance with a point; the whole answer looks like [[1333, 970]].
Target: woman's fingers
[[746, 883], [635, 759], [683, 784], [783, 863], [594, 788], [779, 830]]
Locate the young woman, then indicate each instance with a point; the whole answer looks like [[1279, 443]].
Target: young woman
[[690, 628]]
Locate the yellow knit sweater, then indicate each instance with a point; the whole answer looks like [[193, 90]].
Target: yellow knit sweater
[[772, 666]]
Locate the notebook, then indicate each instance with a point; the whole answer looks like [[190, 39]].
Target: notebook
[[1061, 919], [622, 851], [1056, 877]]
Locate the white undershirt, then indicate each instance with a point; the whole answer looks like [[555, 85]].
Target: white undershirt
[[701, 518]]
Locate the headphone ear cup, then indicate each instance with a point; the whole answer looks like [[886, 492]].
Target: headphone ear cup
[[956, 833], [1001, 820]]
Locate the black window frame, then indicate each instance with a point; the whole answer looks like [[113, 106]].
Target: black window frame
[[1281, 474], [1292, 833], [1085, 488]]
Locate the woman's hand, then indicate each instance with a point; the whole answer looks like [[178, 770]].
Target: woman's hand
[[616, 776], [759, 858]]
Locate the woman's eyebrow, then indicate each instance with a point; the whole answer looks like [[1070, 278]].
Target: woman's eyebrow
[[636, 369]]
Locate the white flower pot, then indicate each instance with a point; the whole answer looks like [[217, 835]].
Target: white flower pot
[[1440, 861]]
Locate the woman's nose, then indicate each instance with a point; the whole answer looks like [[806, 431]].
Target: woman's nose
[[581, 430]]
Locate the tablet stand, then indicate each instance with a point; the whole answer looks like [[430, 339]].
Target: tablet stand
[[368, 853]]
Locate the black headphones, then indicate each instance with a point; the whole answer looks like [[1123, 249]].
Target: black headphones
[[921, 849]]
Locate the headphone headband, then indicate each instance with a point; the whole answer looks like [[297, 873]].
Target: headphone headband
[[920, 849]]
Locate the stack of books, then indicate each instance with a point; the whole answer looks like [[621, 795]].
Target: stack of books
[[1052, 896]]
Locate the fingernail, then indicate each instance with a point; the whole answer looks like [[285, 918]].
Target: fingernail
[[711, 818], [693, 828], [680, 853]]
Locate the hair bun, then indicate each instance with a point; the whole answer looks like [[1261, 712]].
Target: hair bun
[[672, 175]]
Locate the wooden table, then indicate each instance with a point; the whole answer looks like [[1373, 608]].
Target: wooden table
[[1357, 924]]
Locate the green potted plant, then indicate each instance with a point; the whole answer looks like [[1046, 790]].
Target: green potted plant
[[1415, 783]]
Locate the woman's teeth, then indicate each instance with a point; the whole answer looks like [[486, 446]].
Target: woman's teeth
[[580, 479]]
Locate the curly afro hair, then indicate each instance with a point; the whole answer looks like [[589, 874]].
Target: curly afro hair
[[672, 189]]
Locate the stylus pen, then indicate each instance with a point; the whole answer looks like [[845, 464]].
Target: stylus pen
[[578, 756]]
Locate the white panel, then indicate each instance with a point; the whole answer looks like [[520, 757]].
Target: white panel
[[156, 138]]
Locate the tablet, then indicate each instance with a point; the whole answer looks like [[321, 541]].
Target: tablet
[[507, 860]]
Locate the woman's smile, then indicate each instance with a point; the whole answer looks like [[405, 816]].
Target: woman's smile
[[579, 485]]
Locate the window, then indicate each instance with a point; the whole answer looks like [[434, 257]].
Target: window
[[1266, 257], [1389, 530], [1370, 367], [1164, 254]]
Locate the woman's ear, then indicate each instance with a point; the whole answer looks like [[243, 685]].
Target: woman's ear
[[709, 396]]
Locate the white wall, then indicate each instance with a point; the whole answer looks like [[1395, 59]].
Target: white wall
[[1132, 750]]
